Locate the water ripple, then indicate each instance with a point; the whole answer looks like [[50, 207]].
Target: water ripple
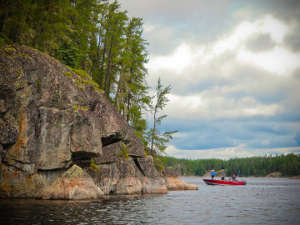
[[262, 201]]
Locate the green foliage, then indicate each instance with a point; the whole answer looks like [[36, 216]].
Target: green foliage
[[287, 165], [68, 55], [124, 152], [2, 42], [82, 108], [85, 79], [68, 74], [79, 83], [93, 165], [75, 107], [158, 164], [82, 74], [38, 83], [20, 22], [10, 49]]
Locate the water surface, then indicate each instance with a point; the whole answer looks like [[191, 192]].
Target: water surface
[[261, 201]]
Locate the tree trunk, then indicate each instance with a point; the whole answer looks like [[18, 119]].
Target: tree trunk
[[102, 64], [119, 89], [128, 106], [108, 70], [153, 131]]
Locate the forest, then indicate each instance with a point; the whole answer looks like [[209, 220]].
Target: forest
[[94, 38], [287, 165]]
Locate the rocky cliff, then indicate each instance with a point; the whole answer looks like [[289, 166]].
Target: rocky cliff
[[60, 138]]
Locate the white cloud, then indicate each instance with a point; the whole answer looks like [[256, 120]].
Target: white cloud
[[274, 27], [221, 62], [179, 60], [265, 25], [209, 106], [277, 60], [148, 27], [227, 153]]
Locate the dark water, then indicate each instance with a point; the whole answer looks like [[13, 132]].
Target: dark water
[[261, 201]]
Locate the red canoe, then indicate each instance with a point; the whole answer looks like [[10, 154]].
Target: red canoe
[[223, 182]]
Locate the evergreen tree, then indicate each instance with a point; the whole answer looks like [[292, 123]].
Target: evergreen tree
[[157, 140]]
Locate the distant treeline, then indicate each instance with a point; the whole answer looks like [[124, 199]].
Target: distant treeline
[[287, 165]]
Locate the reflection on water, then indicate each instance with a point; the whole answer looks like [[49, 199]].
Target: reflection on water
[[261, 201]]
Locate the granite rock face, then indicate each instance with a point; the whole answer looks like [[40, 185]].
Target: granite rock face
[[51, 121], [129, 176]]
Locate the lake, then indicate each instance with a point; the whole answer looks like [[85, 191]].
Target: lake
[[261, 201]]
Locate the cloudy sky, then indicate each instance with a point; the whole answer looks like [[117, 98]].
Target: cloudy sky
[[234, 68]]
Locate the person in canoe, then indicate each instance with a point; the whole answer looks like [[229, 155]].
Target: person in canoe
[[212, 174]]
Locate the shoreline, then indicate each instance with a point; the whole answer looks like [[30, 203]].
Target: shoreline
[[289, 177]]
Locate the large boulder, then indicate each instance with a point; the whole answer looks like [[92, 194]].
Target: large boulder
[[52, 118], [73, 184], [174, 183]]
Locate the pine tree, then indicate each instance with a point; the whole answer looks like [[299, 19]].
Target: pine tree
[[156, 139]]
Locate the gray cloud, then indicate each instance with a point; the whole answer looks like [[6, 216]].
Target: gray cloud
[[175, 21], [244, 80], [162, 39], [287, 10], [261, 42], [204, 21], [164, 10], [223, 133], [292, 40], [296, 74]]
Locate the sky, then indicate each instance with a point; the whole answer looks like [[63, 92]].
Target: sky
[[234, 69]]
